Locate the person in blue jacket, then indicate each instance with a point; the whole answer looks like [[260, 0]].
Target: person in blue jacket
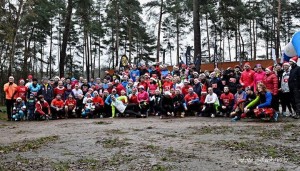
[[134, 72]]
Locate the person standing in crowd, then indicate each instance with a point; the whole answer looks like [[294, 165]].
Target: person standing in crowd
[[10, 90], [247, 76], [29, 80], [46, 90], [271, 82], [22, 90], [34, 88], [216, 83], [285, 95], [294, 86], [258, 76], [134, 72]]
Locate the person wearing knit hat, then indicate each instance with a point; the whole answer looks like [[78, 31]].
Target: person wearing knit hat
[[285, 95], [247, 76], [271, 82], [294, 86]]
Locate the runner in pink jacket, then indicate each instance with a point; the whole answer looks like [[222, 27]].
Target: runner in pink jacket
[[258, 76]]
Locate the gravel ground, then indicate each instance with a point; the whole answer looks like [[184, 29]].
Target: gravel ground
[[192, 143]]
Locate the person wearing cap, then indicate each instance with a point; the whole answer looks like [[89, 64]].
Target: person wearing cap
[[22, 90], [34, 88], [271, 82], [19, 110], [55, 79], [168, 84], [119, 87], [30, 105], [10, 90], [285, 95], [70, 106], [258, 76], [46, 90], [124, 81], [152, 87], [176, 71], [192, 102], [186, 87], [57, 107], [134, 72], [247, 76], [129, 87], [294, 86], [143, 100], [239, 103], [142, 82], [29, 80], [89, 108], [211, 100], [42, 109]]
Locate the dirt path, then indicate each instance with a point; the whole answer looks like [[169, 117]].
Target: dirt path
[[150, 144]]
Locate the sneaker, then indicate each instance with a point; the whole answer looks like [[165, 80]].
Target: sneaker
[[195, 113], [212, 115], [232, 113], [284, 114], [172, 114], [236, 118], [275, 116], [295, 116], [243, 115], [161, 117], [182, 114], [168, 113]]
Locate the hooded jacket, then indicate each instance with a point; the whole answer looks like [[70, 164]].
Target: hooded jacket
[[271, 82]]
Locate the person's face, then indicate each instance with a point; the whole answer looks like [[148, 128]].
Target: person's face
[[258, 69], [113, 98], [191, 91], [60, 84], [268, 71], [210, 91], [246, 67], [56, 79], [22, 82], [45, 81], [259, 88], [85, 81], [177, 92], [123, 93], [278, 68], [92, 79], [58, 97], [42, 99], [141, 90], [291, 63], [212, 75], [81, 78], [76, 87], [114, 92], [157, 92], [196, 81], [226, 89], [286, 67]]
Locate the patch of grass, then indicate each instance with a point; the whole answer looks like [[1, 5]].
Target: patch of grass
[[61, 166], [3, 125], [102, 123], [28, 145], [119, 159], [3, 116], [151, 147], [21, 132], [270, 133], [113, 143], [90, 163], [255, 148], [115, 131], [21, 159], [169, 136], [136, 129], [149, 127], [159, 167], [211, 130]]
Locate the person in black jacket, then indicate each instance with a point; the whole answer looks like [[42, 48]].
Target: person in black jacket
[[179, 103], [294, 85], [197, 87], [166, 105], [46, 90]]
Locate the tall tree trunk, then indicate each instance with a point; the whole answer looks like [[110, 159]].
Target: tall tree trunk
[[236, 44], [177, 40], [66, 36], [158, 30], [254, 39], [278, 30], [197, 34], [87, 55], [229, 47], [207, 34], [14, 38], [117, 33], [250, 37], [50, 53]]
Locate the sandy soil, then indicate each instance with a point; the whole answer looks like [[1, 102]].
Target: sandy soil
[[192, 143]]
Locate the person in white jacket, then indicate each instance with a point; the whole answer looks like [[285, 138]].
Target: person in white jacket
[[209, 108]]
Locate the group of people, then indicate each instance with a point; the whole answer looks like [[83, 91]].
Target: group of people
[[154, 90]]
